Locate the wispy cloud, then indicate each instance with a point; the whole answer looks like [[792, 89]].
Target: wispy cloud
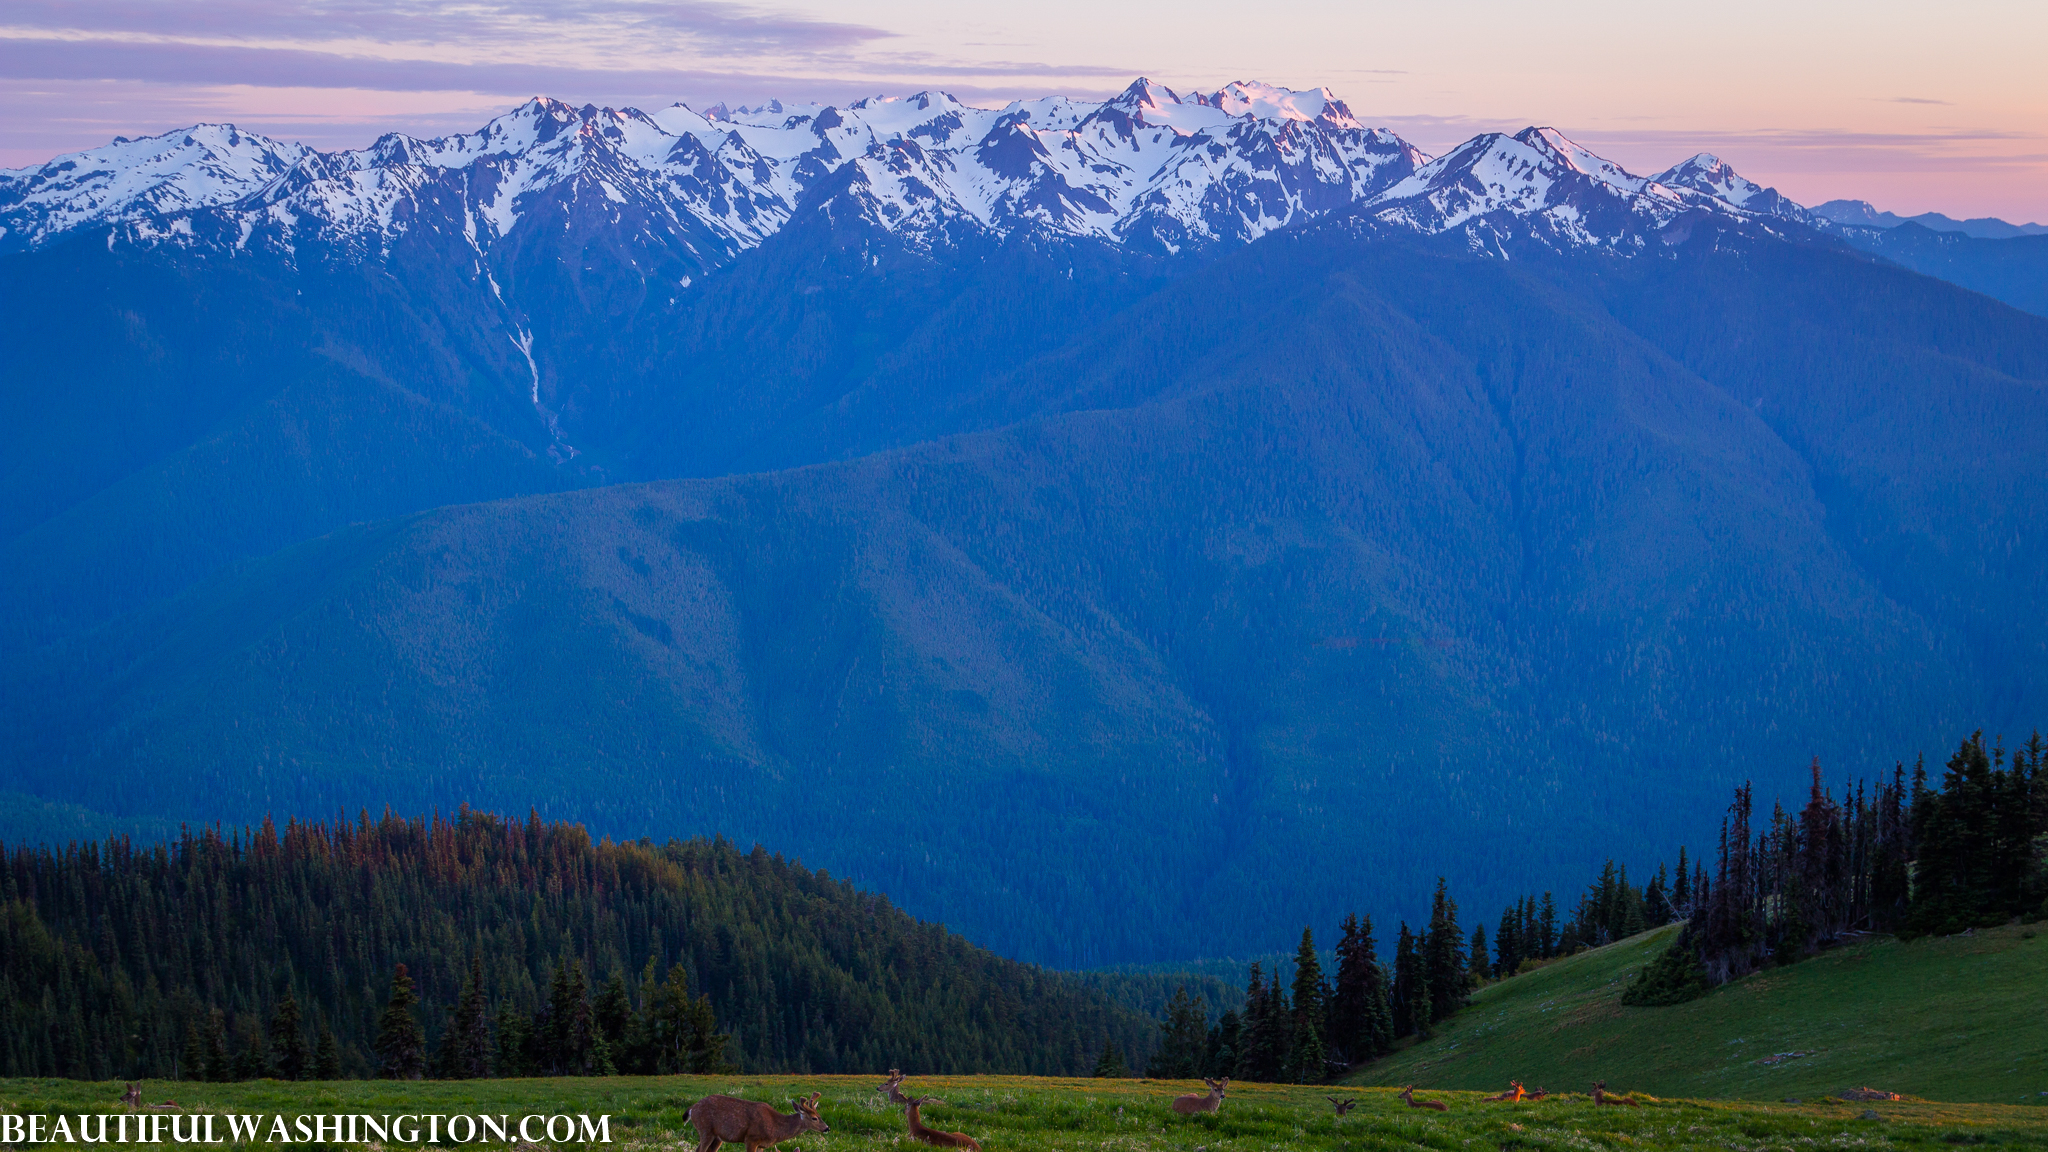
[[1916, 100], [491, 24]]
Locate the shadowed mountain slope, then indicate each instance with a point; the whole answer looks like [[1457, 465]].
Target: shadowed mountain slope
[[1342, 559]]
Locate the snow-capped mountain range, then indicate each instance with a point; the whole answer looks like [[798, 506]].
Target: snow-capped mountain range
[[1150, 168]]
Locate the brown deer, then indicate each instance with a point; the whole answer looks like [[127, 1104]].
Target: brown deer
[[933, 1136], [1408, 1094], [1539, 1093], [1600, 1096], [132, 1097], [1513, 1095], [892, 1087], [727, 1120], [1209, 1101], [1342, 1106]]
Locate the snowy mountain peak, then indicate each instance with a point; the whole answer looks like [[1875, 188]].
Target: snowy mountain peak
[[1713, 176], [1542, 183], [151, 176], [1149, 167], [1269, 102]]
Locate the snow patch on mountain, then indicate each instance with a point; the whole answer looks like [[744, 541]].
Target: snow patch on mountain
[[197, 167], [1150, 168]]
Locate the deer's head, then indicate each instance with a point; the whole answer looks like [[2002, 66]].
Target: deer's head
[[807, 1114], [1217, 1086]]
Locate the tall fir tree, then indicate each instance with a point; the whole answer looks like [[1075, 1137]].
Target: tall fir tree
[[1479, 967], [1411, 999], [1445, 959], [1224, 1041], [465, 1052], [289, 1056], [1309, 1062], [1110, 1065], [1183, 1039], [400, 1046], [326, 1056], [1267, 1030], [1361, 1022]]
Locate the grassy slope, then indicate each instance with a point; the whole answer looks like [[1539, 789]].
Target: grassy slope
[[1028, 1114], [1950, 1019]]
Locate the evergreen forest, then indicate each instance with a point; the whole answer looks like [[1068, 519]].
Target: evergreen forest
[[480, 946]]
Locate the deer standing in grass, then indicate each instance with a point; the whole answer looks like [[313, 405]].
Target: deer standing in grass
[[892, 1087], [728, 1120], [1600, 1096], [1209, 1101], [933, 1136], [1408, 1094], [1342, 1106], [1513, 1095]]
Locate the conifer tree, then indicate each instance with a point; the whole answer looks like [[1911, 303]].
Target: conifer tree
[[1657, 910], [1546, 928], [400, 1046], [1681, 887], [1267, 1030], [1110, 1065], [514, 1036], [1411, 999], [1361, 1022], [1311, 1013], [1224, 1041], [612, 1016], [1507, 942], [252, 1061], [465, 1052], [194, 1060], [1479, 967], [1183, 1038], [219, 1067], [1445, 958], [290, 1058], [326, 1056]]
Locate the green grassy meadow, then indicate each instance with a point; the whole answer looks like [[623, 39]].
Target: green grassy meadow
[[1031, 1114], [1960, 1018]]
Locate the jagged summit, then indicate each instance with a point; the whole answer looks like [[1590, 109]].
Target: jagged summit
[[1710, 174], [1149, 167]]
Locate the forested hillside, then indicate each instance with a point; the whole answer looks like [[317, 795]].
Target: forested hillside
[[126, 961], [1441, 556]]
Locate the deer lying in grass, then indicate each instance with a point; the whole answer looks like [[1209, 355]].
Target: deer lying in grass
[[1600, 1096], [132, 1097], [1209, 1101], [1342, 1106], [893, 1087], [1539, 1093], [1408, 1094], [1513, 1095], [726, 1120], [933, 1136]]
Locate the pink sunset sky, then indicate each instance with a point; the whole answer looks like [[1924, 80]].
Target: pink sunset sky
[[1914, 107]]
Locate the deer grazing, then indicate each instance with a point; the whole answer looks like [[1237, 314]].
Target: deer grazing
[[893, 1087], [1209, 1101], [933, 1136], [1600, 1096], [1513, 1095], [1408, 1094], [727, 1120], [1342, 1106]]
